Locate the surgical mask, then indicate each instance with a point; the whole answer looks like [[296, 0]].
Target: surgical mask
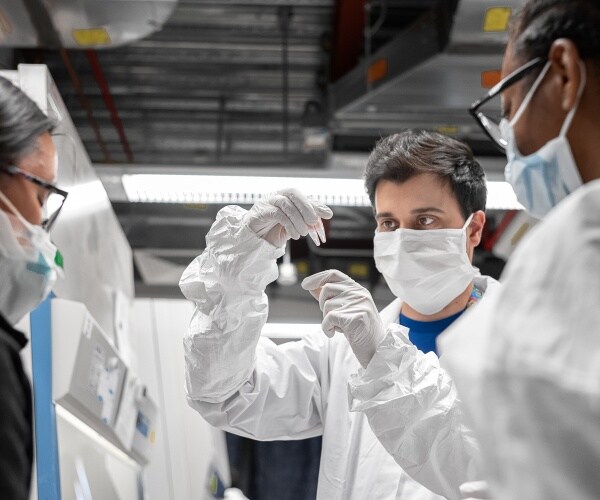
[[542, 179], [427, 269], [29, 264]]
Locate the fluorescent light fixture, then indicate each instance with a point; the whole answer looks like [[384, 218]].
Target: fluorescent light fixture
[[225, 189], [152, 188]]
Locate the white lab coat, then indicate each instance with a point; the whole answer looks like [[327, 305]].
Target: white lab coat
[[245, 384], [412, 406], [527, 362]]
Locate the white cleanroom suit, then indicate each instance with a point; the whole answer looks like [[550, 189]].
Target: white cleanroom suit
[[245, 384]]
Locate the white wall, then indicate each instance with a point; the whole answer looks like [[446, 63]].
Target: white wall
[[186, 445]]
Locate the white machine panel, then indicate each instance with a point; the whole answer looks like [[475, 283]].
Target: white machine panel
[[92, 468], [91, 380], [87, 370]]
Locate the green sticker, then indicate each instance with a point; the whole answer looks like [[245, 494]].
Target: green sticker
[[58, 259]]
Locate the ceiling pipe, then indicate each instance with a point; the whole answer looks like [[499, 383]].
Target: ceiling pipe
[[285, 16], [109, 102], [85, 104]]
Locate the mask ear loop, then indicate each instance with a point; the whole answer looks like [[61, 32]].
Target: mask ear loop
[[465, 228], [15, 212], [468, 221], [530, 94], [571, 114]]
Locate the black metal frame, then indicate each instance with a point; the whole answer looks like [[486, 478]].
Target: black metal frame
[[47, 223], [500, 87]]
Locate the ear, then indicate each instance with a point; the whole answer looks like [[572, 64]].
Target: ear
[[476, 228], [565, 60]]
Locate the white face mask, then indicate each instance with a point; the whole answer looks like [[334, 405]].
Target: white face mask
[[427, 269], [28, 264], [542, 179]]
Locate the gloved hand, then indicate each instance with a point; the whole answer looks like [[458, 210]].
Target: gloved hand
[[287, 214], [349, 308], [475, 490]]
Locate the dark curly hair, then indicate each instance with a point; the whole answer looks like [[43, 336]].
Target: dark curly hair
[[540, 22], [401, 156]]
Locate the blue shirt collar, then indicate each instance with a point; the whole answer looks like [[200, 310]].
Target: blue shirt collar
[[423, 334]]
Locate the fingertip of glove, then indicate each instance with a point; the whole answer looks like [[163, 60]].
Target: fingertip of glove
[[329, 332], [322, 210]]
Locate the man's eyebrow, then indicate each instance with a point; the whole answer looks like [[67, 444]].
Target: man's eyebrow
[[427, 209], [384, 215]]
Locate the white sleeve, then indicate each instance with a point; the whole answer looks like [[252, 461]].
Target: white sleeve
[[238, 381], [413, 409]]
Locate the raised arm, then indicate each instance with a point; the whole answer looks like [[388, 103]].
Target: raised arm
[[235, 379]]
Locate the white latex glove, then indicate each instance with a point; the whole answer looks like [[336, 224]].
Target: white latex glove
[[287, 214], [475, 490], [348, 308]]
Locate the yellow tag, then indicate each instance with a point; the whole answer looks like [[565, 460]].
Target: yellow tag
[[496, 19], [212, 484], [302, 266], [91, 37], [152, 437], [448, 129], [358, 270]]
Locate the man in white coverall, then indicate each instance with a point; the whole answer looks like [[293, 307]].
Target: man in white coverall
[[526, 361], [245, 384]]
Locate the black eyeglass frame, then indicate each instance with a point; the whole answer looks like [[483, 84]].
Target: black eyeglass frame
[[47, 223], [500, 87]]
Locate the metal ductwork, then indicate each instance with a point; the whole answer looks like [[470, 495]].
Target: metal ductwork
[[428, 75], [80, 24]]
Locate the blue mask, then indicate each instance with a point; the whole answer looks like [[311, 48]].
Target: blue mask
[[542, 179]]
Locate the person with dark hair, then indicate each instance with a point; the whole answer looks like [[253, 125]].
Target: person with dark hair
[[429, 198], [29, 264], [527, 362]]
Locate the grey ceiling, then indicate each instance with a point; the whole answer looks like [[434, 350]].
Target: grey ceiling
[[206, 90], [207, 87]]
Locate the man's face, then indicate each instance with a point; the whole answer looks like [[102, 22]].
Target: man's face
[[27, 197], [423, 202], [542, 119]]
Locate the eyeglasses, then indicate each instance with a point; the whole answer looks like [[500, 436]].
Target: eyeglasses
[[52, 204], [490, 125]]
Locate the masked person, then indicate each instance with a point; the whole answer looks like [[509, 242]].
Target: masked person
[[429, 205], [28, 269], [527, 363], [241, 382]]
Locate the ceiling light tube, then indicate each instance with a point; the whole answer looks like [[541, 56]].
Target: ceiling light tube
[[245, 190]]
